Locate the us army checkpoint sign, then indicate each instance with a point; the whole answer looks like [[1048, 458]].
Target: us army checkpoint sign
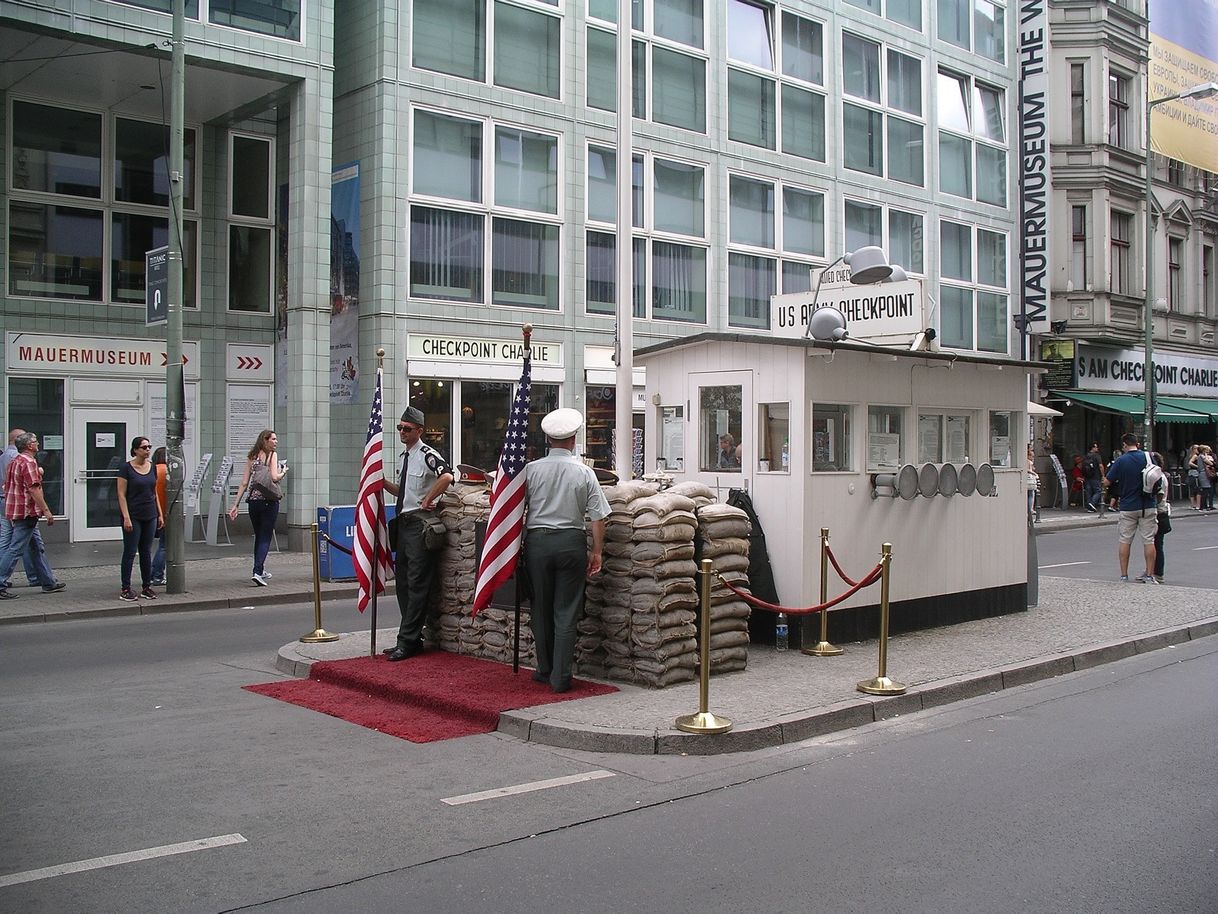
[[881, 312]]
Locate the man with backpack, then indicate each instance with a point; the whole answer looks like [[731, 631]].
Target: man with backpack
[[1135, 483], [1093, 478]]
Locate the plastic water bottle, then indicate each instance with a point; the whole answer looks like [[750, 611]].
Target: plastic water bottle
[[786, 454], [781, 631]]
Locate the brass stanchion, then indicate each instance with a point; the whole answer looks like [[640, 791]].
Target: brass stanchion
[[823, 648], [318, 633], [704, 721], [882, 685]]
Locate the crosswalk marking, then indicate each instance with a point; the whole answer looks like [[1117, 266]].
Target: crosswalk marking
[[526, 788]]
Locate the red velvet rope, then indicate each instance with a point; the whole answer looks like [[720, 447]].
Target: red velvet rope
[[871, 577], [838, 568]]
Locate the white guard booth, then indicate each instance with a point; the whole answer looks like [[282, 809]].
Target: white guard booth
[[840, 435]]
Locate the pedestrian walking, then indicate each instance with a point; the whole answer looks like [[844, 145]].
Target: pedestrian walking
[[162, 500], [142, 518], [1162, 527], [263, 473], [24, 503], [423, 478], [37, 571], [562, 496], [1138, 514], [1093, 478], [1206, 477]]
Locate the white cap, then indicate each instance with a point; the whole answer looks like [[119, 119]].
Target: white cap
[[562, 423]]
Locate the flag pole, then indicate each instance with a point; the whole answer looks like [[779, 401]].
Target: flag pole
[[376, 542], [527, 330]]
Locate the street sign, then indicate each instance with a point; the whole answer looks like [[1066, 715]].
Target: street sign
[[156, 286]]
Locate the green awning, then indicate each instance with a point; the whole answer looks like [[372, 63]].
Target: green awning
[[1193, 404], [1132, 405]]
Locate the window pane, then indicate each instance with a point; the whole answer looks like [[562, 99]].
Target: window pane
[[603, 9], [543, 399], [445, 254], [484, 406], [251, 177], [602, 184], [56, 150], [678, 94], [884, 438], [526, 170], [638, 77], [955, 165], [803, 55], [1000, 439], [796, 277], [863, 139], [280, 18], [37, 404], [751, 280], [55, 251], [524, 264], [803, 123], [953, 21], [166, 6], [956, 251], [602, 70], [748, 34], [249, 269], [750, 109], [450, 36], [987, 104], [864, 225], [601, 278], [905, 242], [141, 164], [904, 83], [905, 151], [930, 438], [680, 196], [131, 236], [991, 258], [869, 5], [952, 94], [830, 437], [803, 222], [990, 22], [861, 67], [527, 50], [956, 318], [906, 12], [751, 207], [721, 428], [447, 157], [678, 20], [991, 322], [991, 175], [678, 290]]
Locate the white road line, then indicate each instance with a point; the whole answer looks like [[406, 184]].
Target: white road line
[[98, 863], [526, 788], [1203, 548], [1062, 565]]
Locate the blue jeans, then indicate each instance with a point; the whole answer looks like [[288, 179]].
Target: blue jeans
[[1092, 490], [138, 540], [37, 571], [19, 542], [263, 514], [158, 558]]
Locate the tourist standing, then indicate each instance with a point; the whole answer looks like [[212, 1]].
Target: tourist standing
[[136, 484]]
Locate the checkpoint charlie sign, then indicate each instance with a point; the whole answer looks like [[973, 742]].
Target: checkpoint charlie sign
[[880, 311]]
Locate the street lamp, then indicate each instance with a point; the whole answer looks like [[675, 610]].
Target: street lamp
[[1204, 90], [867, 265]]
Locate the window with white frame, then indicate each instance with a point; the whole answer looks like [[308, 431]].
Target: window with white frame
[[1078, 103], [600, 258], [251, 223], [944, 437], [978, 25], [906, 12], [1001, 444], [885, 443], [278, 18], [451, 241], [884, 88], [1120, 280], [1209, 297], [972, 139], [973, 299], [803, 234], [1175, 271], [451, 36], [1078, 247], [831, 437], [770, 79], [1119, 92], [865, 225]]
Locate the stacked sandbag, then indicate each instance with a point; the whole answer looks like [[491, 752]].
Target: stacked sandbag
[[723, 537]]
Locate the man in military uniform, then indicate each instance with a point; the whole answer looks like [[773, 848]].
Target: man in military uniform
[[560, 491], [424, 476]]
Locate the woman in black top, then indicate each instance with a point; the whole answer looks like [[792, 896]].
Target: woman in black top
[[141, 517]]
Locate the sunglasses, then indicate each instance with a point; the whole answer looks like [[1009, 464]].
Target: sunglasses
[[408, 428]]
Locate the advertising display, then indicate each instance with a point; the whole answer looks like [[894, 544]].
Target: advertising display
[[1184, 54]]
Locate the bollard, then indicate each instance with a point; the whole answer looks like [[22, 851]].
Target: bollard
[[882, 685], [823, 648], [704, 721], [318, 634]]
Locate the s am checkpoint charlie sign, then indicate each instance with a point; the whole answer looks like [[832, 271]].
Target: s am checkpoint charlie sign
[[156, 287], [881, 312]]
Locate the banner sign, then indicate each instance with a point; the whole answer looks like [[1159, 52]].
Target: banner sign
[[1122, 371], [156, 287], [1184, 54], [344, 284], [1033, 56]]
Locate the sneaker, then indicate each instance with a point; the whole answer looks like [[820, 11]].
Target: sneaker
[[1091, 508], [1159, 579], [148, 593], [54, 588], [159, 582], [1148, 579], [1124, 579], [5, 595], [259, 579], [128, 595]]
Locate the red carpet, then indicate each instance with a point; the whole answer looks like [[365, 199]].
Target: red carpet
[[430, 697]]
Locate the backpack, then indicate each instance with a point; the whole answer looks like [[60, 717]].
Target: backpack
[[1091, 466], [1152, 477]]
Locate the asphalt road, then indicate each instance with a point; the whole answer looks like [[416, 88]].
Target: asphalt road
[[1091, 553], [1091, 792]]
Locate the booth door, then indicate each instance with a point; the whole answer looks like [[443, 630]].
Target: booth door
[[101, 443], [725, 435]]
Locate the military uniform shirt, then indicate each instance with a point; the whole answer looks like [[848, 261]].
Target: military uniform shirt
[[560, 491], [422, 467]]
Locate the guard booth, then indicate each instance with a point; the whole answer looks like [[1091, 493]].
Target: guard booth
[[877, 443]]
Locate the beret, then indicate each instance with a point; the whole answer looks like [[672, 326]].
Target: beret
[[562, 423]]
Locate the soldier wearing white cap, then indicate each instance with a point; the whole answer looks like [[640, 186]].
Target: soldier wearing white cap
[[560, 492], [424, 476]]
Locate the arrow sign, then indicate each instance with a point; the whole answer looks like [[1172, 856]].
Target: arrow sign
[[249, 362]]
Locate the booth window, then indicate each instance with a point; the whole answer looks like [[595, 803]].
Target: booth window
[[1000, 439], [943, 437], [830, 437], [884, 425], [672, 439], [774, 447], [721, 445]]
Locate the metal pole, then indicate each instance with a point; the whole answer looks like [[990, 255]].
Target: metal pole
[[704, 721], [175, 391], [319, 633], [623, 451], [823, 648], [1148, 318], [882, 685]]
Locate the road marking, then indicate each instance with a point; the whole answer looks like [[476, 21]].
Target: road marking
[[526, 788], [1062, 565], [97, 863], [1203, 548]]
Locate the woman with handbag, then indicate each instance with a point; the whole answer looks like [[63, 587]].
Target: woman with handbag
[[136, 484], [261, 478]]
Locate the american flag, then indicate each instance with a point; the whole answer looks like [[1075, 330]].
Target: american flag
[[372, 551], [501, 548]]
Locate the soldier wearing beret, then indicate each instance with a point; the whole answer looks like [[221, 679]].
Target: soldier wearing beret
[[424, 476], [560, 491]]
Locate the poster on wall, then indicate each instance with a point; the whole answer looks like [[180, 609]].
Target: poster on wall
[[281, 301], [156, 419], [344, 284], [249, 413]]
